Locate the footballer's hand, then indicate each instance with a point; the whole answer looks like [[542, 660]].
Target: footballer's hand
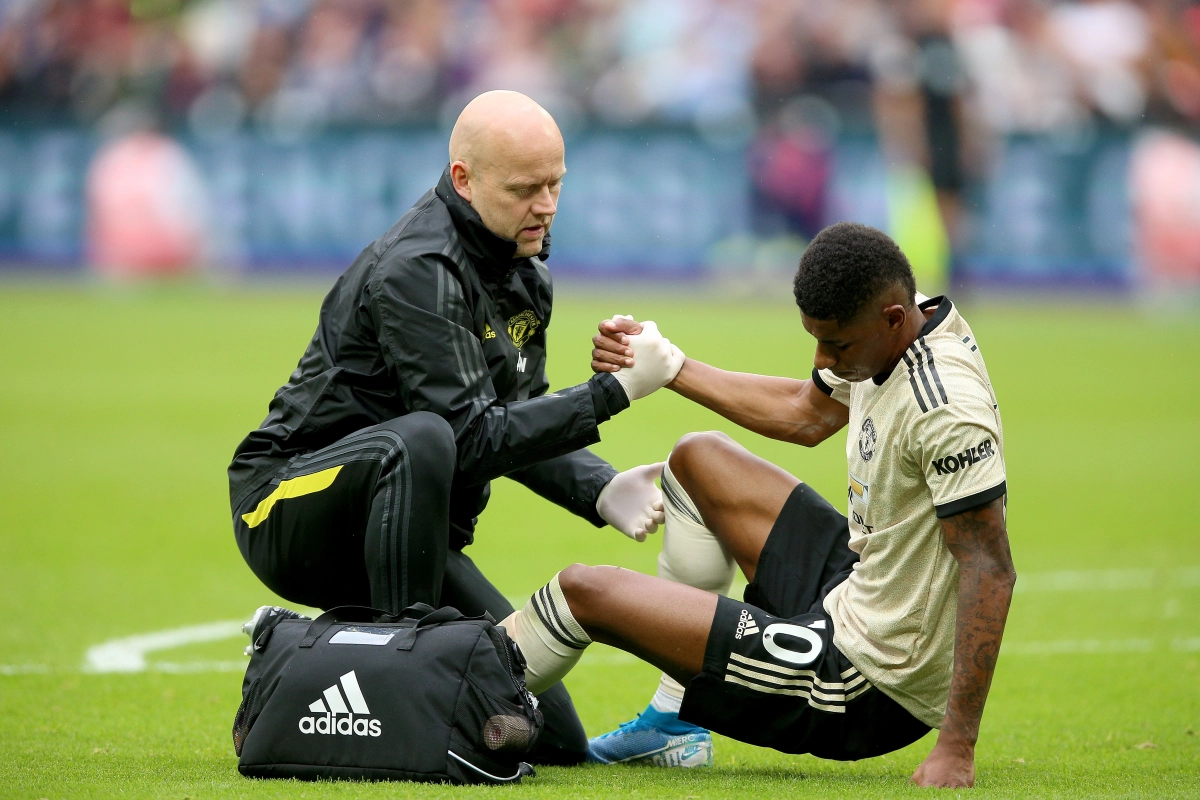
[[632, 503], [947, 767], [610, 347], [656, 362]]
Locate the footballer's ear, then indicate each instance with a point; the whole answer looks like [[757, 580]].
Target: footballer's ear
[[895, 317]]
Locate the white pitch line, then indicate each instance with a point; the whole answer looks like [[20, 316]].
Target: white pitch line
[[23, 669], [129, 653], [1107, 580], [198, 666], [1061, 647], [1067, 580], [1077, 647], [1080, 647]]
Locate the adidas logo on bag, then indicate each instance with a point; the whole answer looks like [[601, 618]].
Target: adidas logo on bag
[[357, 721], [746, 625]]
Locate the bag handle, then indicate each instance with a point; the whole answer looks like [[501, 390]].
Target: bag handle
[[414, 613], [418, 615], [443, 614], [336, 615], [408, 637]]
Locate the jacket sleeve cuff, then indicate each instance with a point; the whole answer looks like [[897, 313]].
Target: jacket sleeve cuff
[[598, 484], [608, 398]]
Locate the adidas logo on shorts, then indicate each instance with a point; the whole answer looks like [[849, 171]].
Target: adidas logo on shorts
[[333, 704], [746, 625]]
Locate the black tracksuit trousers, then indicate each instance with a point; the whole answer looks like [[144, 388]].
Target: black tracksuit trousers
[[365, 521]]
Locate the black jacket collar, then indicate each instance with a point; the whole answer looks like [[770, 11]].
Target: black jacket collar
[[492, 255]]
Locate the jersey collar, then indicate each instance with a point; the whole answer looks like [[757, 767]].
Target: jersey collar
[[491, 254], [944, 306]]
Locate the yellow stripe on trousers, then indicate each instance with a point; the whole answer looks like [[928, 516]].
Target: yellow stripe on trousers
[[293, 487]]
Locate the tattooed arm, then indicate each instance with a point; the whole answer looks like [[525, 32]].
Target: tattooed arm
[[979, 542]]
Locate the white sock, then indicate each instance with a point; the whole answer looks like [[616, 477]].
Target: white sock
[[548, 635], [669, 696], [691, 555]]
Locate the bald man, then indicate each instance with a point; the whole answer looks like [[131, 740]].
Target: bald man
[[425, 380]]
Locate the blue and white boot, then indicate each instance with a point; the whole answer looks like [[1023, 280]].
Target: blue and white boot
[[655, 738]]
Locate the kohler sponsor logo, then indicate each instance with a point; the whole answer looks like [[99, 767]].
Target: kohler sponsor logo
[[949, 465]]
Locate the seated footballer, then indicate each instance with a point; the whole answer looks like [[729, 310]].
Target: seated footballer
[[857, 634]]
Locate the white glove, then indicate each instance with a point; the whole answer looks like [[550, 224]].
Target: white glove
[[631, 502], [656, 362]]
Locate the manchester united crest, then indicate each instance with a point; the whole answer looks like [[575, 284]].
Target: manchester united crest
[[866, 440], [522, 327]]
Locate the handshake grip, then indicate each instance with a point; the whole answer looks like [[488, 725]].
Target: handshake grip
[[656, 362]]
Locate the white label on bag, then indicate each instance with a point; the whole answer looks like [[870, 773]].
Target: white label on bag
[[361, 637]]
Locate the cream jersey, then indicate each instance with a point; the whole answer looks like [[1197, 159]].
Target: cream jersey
[[923, 442]]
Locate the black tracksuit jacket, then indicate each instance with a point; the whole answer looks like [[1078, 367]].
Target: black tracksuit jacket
[[436, 315]]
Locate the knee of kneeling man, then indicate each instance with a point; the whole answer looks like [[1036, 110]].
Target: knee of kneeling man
[[430, 439]]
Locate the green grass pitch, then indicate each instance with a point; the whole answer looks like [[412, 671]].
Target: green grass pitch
[[120, 408]]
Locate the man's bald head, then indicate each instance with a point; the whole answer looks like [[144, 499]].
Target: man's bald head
[[496, 125], [506, 160]]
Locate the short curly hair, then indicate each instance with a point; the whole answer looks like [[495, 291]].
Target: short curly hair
[[844, 266]]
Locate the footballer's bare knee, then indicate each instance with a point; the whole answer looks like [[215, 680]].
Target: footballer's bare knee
[[586, 585], [587, 590], [697, 456], [738, 494], [716, 471], [574, 582]]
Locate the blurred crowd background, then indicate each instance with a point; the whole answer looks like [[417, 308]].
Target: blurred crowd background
[[1002, 141]]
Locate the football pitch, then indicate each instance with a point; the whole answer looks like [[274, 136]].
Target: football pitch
[[121, 586]]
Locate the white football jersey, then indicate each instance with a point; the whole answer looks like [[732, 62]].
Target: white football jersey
[[923, 442]]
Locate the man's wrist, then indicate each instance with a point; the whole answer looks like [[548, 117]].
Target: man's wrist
[[673, 382], [679, 382], [600, 483], [955, 742], [608, 396]]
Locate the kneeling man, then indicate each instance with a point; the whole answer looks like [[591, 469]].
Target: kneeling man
[[424, 381], [857, 634]]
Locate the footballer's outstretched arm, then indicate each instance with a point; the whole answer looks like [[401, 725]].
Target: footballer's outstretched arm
[[791, 410], [978, 540], [787, 409]]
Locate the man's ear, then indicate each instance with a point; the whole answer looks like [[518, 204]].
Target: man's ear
[[460, 176], [895, 316]]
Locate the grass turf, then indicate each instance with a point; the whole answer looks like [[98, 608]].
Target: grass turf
[[119, 409]]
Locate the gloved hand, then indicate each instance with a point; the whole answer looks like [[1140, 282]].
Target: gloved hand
[[631, 502], [656, 362]]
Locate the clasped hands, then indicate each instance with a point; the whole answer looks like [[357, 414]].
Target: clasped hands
[[643, 361], [637, 354]]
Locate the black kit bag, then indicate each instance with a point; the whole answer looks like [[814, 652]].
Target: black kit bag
[[358, 694]]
